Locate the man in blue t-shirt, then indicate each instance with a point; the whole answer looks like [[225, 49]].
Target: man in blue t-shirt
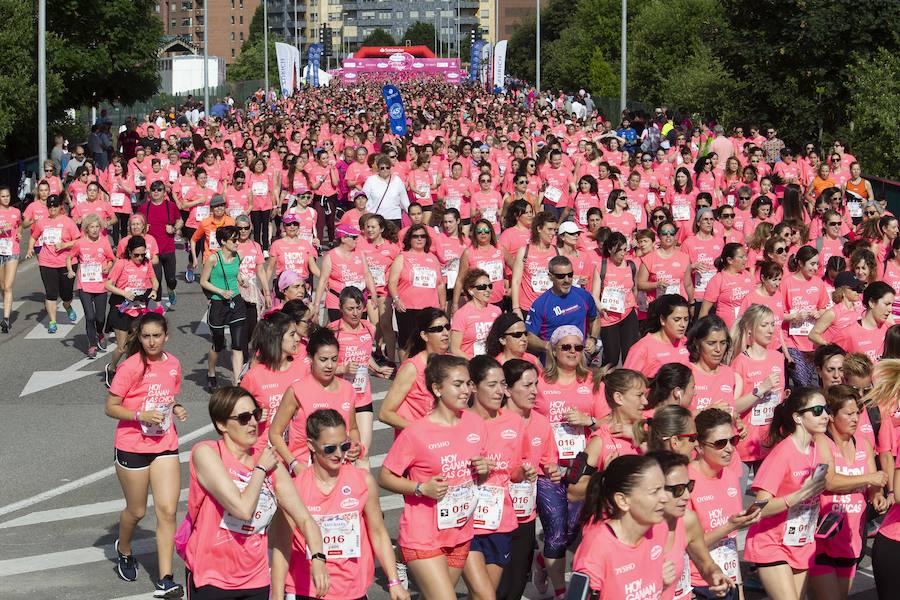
[[562, 304]]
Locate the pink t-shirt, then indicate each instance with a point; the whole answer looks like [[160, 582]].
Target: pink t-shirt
[[356, 347], [418, 401], [474, 323], [348, 578], [457, 194], [624, 223], [128, 276], [618, 571], [10, 220], [712, 388], [424, 450], [856, 338], [487, 205], [775, 302], [490, 260], [538, 450], [261, 186], [268, 387], [60, 229], [667, 270], [770, 540], [344, 272], [618, 288], [614, 446], [307, 218], [448, 251], [704, 252], [378, 260], [143, 390], [759, 416], [292, 254], [648, 354], [535, 275], [554, 400], [419, 279], [801, 294], [504, 445], [319, 174], [311, 396], [714, 500], [93, 257], [727, 291], [847, 543]]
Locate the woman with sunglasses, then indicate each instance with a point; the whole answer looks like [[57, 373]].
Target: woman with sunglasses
[[95, 257], [351, 522], [320, 388], [291, 252], [245, 487], [867, 334], [530, 274], [508, 339], [805, 298], [307, 217], [729, 286], [567, 396], [415, 282], [623, 527], [670, 428], [853, 479], [471, 324], [408, 398], [484, 254], [486, 203], [830, 242], [10, 220], [702, 248], [781, 544], [448, 245], [539, 453], [716, 500], [664, 342], [49, 175], [584, 263], [455, 192], [615, 287], [342, 267], [666, 270], [379, 247], [256, 284], [437, 471], [422, 185], [618, 218], [142, 400]]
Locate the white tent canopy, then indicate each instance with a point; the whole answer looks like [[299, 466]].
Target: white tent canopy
[[324, 77]]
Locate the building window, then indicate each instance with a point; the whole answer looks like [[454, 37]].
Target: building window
[[242, 36], [232, 53], [173, 23], [232, 4], [413, 14], [241, 4], [232, 19], [186, 22], [232, 36], [241, 19], [429, 14]]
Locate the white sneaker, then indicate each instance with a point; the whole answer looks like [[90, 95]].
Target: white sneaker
[[402, 575]]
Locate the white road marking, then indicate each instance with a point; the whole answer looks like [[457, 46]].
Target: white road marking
[[42, 380], [15, 305], [76, 512], [39, 332]]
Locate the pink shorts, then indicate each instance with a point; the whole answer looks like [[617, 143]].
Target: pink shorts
[[455, 555]]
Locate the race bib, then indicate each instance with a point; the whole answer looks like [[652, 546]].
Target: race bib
[[265, 510], [582, 216], [235, 212], [139, 179], [212, 183], [80, 197], [802, 327], [801, 522], [540, 280], [340, 535], [569, 440], [490, 214], [377, 272], [424, 277], [681, 212], [51, 235], [553, 194], [6, 246], [456, 507], [701, 280], [489, 508], [359, 378], [117, 199], [213, 241], [764, 410], [725, 554], [855, 209], [651, 199], [423, 190], [260, 188], [91, 273], [450, 271], [479, 348], [636, 212], [173, 176], [684, 588], [729, 199], [157, 429], [201, 213], [453, 202], [524, 497], [494, 269], [673, 288], [613, 300]]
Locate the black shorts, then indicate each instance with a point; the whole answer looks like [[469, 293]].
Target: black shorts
[[494, 546], [367, 408], [136, 461], [223, 313], [211, 592]]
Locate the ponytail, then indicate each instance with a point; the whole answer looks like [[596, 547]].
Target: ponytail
[[621, 476], [804, 254], [783, 423]]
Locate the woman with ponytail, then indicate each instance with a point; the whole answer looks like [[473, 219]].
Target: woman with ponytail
[[667, 320], [891, 273], [805, 299], [781, 544], [846, 309], [672, 384], [671, 428], [729, 285], [867, 334], [623, 526]]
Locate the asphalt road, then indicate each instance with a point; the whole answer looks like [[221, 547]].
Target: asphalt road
[[59, 498]]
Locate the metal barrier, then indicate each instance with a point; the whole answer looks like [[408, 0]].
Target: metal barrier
[[888, 189]]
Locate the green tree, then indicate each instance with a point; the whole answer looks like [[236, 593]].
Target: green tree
[[249, 65], [873, 92], [556, 15], [702, 85], [379, 37], [420, 34], [256, 24]]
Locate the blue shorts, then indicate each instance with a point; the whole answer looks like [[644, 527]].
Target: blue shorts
[[494, 546]]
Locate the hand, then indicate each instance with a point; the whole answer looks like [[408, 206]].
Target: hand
[[398, 592], [385, 371], [878, 479], [354, 452], [482, 465], [661, 287], [435, 488], [553, 473], [398, 305], [591, 344], [152, 295], [669, 573], [227, 294], [769, 383], [268, 458], [242, 281], [152, 417], [576, 417], [170, 229], [719, 583], [811, 488], [29, 254], [70, 274], [319, 577], [128, 295], [745, 518], [529, 471], [180, 412]]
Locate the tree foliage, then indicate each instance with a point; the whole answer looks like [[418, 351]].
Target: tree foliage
[[556, 16], [873, 89], [250, 64], [379, 37], [420, 34]]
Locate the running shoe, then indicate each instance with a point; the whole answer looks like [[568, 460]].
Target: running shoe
[[539, 576], [126, 565], [51, 328], [402, 575], [173, 297], [167, 588], [71, 315], [92, 352], [101, 343], [108, 374], [265, 254], [4, 325], [211, 383], [189, 274]]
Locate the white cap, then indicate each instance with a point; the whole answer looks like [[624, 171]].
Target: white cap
[[568, 227]]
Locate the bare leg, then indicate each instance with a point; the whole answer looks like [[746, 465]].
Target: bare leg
[[165, 481]]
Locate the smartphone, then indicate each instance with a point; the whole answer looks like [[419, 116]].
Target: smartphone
[[758, 505], [579, 587], [820, 471], [829, 526]]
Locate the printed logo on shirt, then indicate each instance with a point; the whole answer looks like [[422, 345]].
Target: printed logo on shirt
[[173, 373], [345, 406], [508, 434], [437, 445], [699, 499], [473, 438], [732, 492], [348, 503], [625, 568], [535, 441], [725, 388], [656, 552], [860, 456], [346, 490], [584, 389]]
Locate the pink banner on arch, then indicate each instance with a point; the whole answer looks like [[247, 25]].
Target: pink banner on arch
[[402, 63]]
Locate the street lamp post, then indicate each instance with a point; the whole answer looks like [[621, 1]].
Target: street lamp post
[[206, 58], [537, 41], [266, 48], [623, 71], [42, 82]]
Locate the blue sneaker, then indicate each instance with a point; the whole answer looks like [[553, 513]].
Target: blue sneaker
[[189, 274], [173, 297], [51, 328], [71, 315], [167, 588], [126, 565]]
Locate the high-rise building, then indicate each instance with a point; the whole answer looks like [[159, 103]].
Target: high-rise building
[[229, 23], [510, 13]]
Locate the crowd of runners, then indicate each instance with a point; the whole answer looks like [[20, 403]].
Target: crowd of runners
[[610, 324]]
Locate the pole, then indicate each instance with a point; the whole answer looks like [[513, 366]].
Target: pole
[[206, 59], [457, 29], [296, 30], [537, 41], [265, 48], [623, 85], [42, 83]]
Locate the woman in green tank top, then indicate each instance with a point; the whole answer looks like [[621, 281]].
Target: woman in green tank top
[[221, 282]]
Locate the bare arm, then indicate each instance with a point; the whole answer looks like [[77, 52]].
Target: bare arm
[[400, 387]]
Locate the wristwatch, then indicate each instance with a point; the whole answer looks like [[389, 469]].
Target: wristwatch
[[318, 556], [757, 393], [418, 490]]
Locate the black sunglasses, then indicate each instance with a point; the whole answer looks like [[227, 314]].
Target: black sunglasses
[[679, 489], [563, 275], [418, 236], [438, 328], [834, 223], [482, 286], [329, 449], [727, 215], [779, 250], [243, 228], [690, 437], [244, 417], [816, 410], [720, 444], [871, 213], [516, 334], [570, 347]]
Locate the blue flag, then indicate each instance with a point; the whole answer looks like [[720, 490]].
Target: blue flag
[[312, 64], [475, 60], [396, 112]]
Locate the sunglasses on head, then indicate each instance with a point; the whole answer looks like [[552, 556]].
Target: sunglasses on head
[[329, 449], [679, 489], [563, 275], [438, 328], [720, 444], [816, 410], [516, 334], [244, 417], [571, 347]]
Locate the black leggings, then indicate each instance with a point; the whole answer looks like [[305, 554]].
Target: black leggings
[[406, 325], [325, 207], [209, 592], [515, 573], [187, 233], [249, 326], [94, 314], [619, 338], [260, 221], [122, 230], [885, 558], [57, 285], [166, 264]]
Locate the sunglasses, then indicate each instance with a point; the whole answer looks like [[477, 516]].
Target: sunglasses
[[720, 444], [384, 168], [816, 410], [438, 328], [871, 213], [779, 250], [481, 287], [419, 236], [667, 232], [516, 334], [484, 181], [244, 417], [727, 215], [571, 347], [329, 449], [659, 217], [243, 229], [563, 275], [834, 223], [482, 230], [291, 224], [679, 489], [138, 254], [352, 237], [646, 160]]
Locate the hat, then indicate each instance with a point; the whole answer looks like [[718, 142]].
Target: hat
[[564, 331], [217, 200], [568, 227], [849, 280], [287, 279], [342, 231], [289, 218], [356, 194]]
